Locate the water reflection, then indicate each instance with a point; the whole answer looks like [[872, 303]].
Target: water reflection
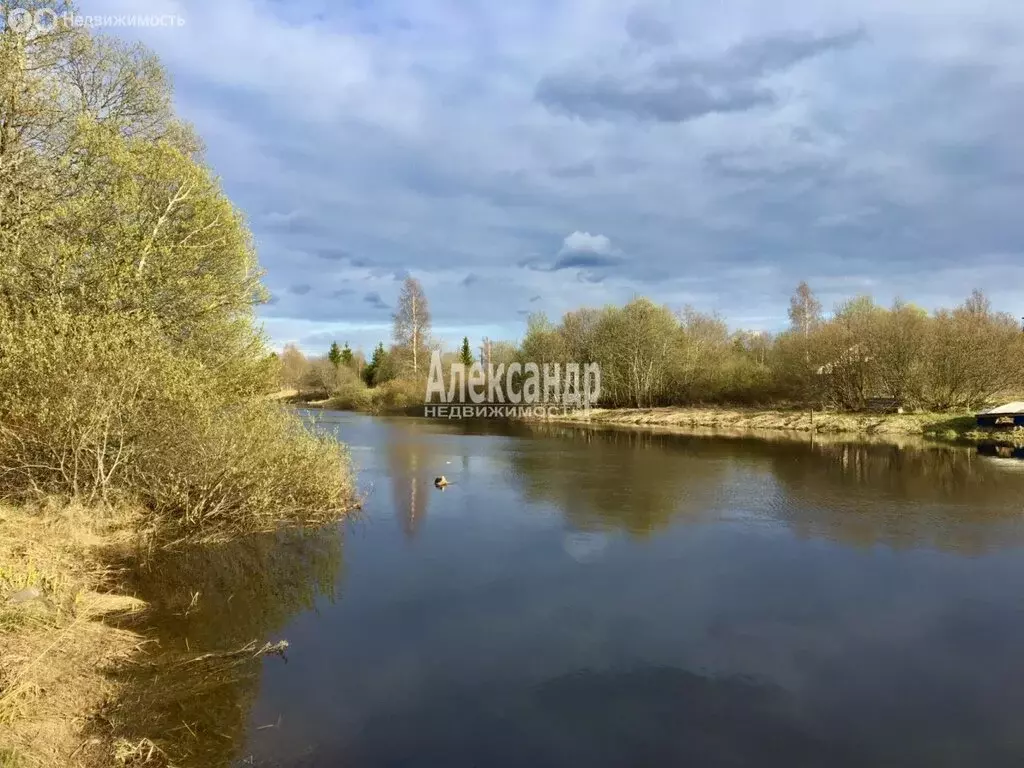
[[600, 480], [861, 494], [412, 472], [948, 499], [190, 692], [1000, 451], [647, 716]]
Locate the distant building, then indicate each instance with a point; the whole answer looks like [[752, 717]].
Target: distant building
[[1008, 415]]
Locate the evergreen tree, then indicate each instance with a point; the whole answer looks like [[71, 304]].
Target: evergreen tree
[[377, 367], [335, 355], [466, 356], [346, 355]]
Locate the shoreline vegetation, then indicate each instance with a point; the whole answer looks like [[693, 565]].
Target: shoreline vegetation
[[134, 377], [930, 426], [944, 427], [861, 369]]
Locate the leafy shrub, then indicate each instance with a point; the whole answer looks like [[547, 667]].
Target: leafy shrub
[[350, 393], [399, 394], [97, 408]]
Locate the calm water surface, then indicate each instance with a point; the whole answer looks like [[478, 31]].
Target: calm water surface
[[582, 598]]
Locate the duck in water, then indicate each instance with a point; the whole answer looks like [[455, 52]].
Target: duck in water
[[440, 482]]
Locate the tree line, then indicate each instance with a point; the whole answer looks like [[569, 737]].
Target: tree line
[[860, 355]]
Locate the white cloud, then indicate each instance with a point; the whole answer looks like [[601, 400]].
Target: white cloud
[[584, 242]]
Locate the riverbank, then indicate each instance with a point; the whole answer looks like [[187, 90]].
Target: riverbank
[[83, 682], [936, 426], [58, 643]]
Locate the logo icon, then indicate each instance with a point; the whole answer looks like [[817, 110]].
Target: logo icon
[[20, 20], [23, 21], [45, 19]]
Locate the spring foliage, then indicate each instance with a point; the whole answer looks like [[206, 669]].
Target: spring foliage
[[652, 356], [130, 363]]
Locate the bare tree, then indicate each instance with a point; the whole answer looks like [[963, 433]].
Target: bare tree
[[294, 366], [634, 347], [900, 352], [412, 325], [804, 310]]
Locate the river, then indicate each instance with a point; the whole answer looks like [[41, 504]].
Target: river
[[615, 598]]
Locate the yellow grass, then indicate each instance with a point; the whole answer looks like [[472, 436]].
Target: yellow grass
[[944, 426], [55, 651]]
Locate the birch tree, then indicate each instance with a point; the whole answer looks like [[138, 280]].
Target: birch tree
[[412, 327]]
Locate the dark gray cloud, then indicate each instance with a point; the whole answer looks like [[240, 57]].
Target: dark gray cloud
[[757, 58], [301, 289], [374, 300], [581, 260], [580, 170], [534, 299], [646, 25], [584, 261], [678, 88], [668, 101], [332, 254], [293, 222], [471, 279]]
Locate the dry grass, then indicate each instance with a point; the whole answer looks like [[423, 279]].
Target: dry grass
[[943, 426], [78, 689], [55, 652], [283, 394]]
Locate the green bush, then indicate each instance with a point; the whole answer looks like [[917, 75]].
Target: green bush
[[399, 394], [101, 409], [350, 392]]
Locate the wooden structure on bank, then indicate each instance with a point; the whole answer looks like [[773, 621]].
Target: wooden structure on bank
[[1009, 416]]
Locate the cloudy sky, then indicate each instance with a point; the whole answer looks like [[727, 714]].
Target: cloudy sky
[[547, 154]]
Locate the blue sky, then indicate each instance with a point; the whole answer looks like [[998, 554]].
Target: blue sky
[[524, 156]]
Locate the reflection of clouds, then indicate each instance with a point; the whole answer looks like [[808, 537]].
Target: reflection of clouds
[[585, 547]]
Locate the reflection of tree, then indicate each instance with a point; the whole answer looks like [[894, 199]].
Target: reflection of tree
[[412, 469], [861, 494], [214, 600], [607, 479], [949, 498]]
